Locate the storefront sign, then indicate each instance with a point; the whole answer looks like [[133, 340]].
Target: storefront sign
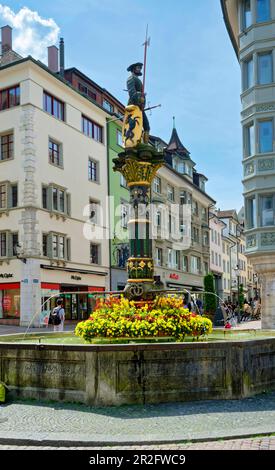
[[174, 276], [76, 278], [6, 275]]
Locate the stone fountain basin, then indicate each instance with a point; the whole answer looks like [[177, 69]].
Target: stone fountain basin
[[231, 364]]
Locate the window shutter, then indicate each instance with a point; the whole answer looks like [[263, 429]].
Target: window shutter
[[68, 203], [9, 196], [50, 198], [9, 245], [61, 155], [68, 249], [50, 245]]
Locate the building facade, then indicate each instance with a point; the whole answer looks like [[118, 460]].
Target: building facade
[[54, 235], [250, 24], [181, 219], [216, 251]]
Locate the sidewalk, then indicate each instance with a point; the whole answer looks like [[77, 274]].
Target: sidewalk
[[65, 424]]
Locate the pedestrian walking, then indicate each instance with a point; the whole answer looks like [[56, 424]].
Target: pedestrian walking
[[57, 317]]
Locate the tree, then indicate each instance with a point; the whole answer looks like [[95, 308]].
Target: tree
[[210, 302]]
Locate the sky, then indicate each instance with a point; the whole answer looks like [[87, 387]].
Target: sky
[[192, 69]]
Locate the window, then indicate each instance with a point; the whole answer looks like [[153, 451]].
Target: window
[[119, 140], [170, 193], [55, 199], [247, 16], [14, 195], [267, 210], [195, 234], [195, 208], [3, 196], [123, 181], [6, 146], [158, 218], [94, 253], [173, 258], [249, 136], [204, 214], [265, 66], [8, 195], [44, 244], [61, 247], [92, 129], [262, 10], [55, 245], [183, 197], [181, 167], [185, 263], [53, 106], [3, 244], [265, 136], [248, 74], [55, 153], [195, 265], [159, 255], [93, 170], [157, 185], [123, 215], [10, 97], [205, 239], [108, 106], [212, 257], [122, 254], [87, 91], [251, 212], [94, 211]]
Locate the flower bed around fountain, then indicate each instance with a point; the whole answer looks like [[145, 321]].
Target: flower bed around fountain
[[121, 318]]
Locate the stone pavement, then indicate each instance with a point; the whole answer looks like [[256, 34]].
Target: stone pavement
[[204, 425], [74, 425]]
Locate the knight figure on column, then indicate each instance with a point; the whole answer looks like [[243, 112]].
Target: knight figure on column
[[135, 123]]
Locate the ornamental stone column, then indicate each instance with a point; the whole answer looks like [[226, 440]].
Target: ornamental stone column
[[139, 165]]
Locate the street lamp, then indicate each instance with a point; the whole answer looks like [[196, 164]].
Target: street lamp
[[237, 271], [255, 281]]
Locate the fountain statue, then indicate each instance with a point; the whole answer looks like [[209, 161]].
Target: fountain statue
[[138, 163]]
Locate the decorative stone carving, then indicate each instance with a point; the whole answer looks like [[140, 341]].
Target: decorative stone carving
[[265, 107], [268, 239], [248, 112], [250, 241], [249, 169], [266, 164]]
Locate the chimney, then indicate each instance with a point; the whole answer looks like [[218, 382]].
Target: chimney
[[61, 57], [53, 58], [6, 34]]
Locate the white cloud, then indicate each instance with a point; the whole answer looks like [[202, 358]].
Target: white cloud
[[31, 33]]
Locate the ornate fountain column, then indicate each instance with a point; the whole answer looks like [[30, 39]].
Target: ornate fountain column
[[139, 165]]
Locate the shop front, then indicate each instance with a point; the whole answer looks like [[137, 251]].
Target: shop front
[[10, 301], [78, 301]]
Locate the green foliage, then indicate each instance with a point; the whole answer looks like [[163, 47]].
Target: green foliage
[[210, 302]]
